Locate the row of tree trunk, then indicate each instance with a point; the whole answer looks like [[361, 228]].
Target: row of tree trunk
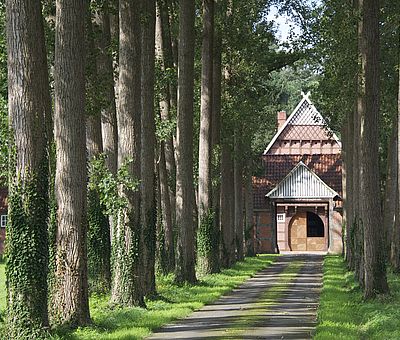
[[367, 233], [157, 200]]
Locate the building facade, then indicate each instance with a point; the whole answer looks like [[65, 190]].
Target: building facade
[[297, 197]]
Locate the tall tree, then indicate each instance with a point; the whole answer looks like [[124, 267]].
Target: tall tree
[[395, 237], [185, 261], [105, 71], [216, 139], [227, 207], [148, 207], [238, 190], [99, 247], [127, 285], [206, 255], [70, 300], [28, 105], [368, 109], [166, 150]]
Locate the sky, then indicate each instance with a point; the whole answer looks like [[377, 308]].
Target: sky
[[282, 23]]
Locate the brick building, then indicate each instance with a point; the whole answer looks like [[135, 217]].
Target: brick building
[[298, 195], [3, 217]]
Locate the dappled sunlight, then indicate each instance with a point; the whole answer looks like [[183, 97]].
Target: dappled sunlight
[[174, 302]]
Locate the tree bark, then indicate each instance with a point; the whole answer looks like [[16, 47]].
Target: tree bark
[[374, 261], [357, 230], [28, 108], [205, 233], [249, 224], [216, 141], [127, 286], [106, 71], [238, 189], [185, 261], [148, 207], [390, 195], [70, 300], [166, 216], [99, 247], [168, 97], [348, 196], [395, 243], [227, 207]]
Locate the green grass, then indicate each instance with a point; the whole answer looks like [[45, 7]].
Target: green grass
[[175, 302], [344, 315]]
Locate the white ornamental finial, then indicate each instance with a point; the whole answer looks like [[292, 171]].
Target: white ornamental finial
[[306, 96]]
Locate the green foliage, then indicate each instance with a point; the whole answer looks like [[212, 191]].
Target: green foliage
[[344, 315], [4, 137], [99, 246], [27, 256], [174, 302], [3, 100], [107, 185], [207, 244], [165, 128]]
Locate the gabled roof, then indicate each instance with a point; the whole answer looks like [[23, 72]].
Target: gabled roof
[[301, 182], [305, 113]]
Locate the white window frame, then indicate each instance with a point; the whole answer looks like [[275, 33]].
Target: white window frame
[[3, 221], [280, 218]]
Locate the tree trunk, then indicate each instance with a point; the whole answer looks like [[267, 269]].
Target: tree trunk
[[148, 202], [98, 244], [127, 286], [70, 300], [395, 244], [390, 197], [168, 97], [227, 207], [28, 107], [374, 261], [238, 189], [205, 235], [166, 217], [185, 261], [99, 247], [349, 196], [106, 73], [167, 156], [357, 230], [216, 142], [249, 224]]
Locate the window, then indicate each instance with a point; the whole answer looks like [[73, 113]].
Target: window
[[315, 226], [3, 221], [280, 217]]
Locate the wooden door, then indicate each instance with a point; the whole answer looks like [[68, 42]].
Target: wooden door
[[298, 232]]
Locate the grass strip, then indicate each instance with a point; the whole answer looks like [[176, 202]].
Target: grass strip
[[270, 297], [175, 302], [343, 314]]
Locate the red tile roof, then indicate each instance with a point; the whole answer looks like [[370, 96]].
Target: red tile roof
[[276, 167]]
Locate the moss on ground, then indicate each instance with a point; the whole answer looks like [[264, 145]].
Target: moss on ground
[[344, 315], [268, 298]]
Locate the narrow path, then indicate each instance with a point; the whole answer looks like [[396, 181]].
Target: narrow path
[[280, 302]]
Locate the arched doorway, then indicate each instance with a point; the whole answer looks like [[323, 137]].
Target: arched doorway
[[306, 232]]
